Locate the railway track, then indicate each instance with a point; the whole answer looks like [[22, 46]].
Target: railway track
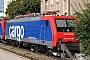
[[27, 53]]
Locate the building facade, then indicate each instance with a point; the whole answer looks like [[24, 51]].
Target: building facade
[[65, 6]]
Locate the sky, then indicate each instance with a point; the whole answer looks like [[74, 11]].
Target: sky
[[1, 5]]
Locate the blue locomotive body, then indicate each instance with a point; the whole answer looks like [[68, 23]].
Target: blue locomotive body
[[30, 29]]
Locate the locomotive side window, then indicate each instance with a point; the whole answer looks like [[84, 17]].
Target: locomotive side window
[[46, 23], [61, 23]]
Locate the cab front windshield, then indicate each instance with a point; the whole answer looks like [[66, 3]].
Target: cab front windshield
[[65, 24]]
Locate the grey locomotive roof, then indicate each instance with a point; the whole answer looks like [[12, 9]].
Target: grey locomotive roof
[[25, 19]]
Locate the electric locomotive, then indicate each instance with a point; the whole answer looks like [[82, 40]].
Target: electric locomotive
[[44, 33]]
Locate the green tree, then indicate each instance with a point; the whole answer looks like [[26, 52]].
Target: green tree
[[19, 7], [34, 5], [83, 30]]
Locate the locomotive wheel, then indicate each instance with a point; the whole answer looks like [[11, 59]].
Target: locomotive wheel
[[20, 44], [36, 49], [58, 47], [33, 49], [13, 43], [0, 41], [46, 51], [50, 52], [8, 42]]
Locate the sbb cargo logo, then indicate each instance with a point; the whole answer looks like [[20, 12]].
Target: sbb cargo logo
[[16, 31]]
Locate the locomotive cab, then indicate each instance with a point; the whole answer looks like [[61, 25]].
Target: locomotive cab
[[62, 28], [65, 33]]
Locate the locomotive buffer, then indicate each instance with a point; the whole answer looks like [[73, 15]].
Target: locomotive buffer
[[65, 49]]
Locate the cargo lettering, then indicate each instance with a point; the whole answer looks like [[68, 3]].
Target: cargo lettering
[[16, 31]]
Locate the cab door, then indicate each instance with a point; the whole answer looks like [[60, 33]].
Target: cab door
[[46, 33]]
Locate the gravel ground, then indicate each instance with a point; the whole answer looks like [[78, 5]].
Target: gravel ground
[[26, 53], [6, 55]]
